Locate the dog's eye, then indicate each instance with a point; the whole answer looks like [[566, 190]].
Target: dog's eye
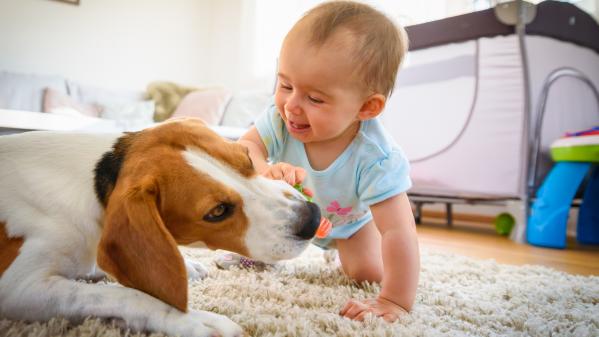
[[219, 213]]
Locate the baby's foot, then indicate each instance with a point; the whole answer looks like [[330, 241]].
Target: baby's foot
[[228, 260]]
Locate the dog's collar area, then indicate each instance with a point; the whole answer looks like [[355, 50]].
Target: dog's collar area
[[108, 167]]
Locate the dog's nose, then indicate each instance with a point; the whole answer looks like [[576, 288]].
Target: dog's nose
[[309, 220]]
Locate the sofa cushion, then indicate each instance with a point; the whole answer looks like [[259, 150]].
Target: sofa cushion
[[19, 91], [207, 104], [130, 116], [245, 106], [54, 99], [166, 96], [90, 94]]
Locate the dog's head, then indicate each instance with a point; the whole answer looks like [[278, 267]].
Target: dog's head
[[179, 183]]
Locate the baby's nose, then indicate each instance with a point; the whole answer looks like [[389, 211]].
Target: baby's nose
[[292, 110], [293, 104]]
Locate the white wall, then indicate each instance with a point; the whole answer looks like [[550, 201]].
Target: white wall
[[129, 43], [109, 43], [125, 44], [232, 37]]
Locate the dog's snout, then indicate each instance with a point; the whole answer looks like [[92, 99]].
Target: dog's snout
[[309, 220]]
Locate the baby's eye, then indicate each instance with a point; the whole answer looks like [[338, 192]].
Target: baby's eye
[[285, 86], [315, 100]]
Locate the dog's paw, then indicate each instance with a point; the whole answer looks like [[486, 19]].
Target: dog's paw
[[195, 270], [187, 325], [222, 325], [193, 323]]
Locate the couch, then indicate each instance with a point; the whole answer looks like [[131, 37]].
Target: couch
[[52, 102]]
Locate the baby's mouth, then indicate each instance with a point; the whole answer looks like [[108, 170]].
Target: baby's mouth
[[298, 127]]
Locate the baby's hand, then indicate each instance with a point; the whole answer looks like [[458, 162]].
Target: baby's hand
[[287, 172], [379, 307]]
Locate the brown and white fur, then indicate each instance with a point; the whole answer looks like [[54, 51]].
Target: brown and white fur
[[75, 205]]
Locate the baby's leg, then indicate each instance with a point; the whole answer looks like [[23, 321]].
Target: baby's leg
[[361, 255]]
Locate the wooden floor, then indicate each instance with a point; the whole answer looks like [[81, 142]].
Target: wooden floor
[[480, 241]]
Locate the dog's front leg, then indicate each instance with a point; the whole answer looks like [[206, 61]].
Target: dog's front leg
[[195, 270], [57, 296]]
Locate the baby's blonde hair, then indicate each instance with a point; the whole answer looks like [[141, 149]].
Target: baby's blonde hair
[[380, 45]]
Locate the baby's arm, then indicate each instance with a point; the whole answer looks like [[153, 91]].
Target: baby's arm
[[259, 155], [401, 262], [401, 257], [256, 149]]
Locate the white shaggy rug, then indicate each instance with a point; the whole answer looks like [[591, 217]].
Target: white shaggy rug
[[458, 296]]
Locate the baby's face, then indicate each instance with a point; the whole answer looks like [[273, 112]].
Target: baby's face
[[316, 94]]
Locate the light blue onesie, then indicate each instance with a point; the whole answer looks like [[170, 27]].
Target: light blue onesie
[[371, 169]]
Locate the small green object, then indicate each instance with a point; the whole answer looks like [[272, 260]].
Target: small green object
[[582, 153], [504, 223], [300, 188]]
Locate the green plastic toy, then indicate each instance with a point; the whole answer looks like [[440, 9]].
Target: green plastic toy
[[580, 147], [300, 188], [504, 223], [325, 226]]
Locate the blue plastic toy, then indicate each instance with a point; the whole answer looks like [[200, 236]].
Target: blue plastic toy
[[575, 155], [549, 214], [588, 216]]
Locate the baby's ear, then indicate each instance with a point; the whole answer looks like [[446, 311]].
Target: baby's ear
[[372, 107]]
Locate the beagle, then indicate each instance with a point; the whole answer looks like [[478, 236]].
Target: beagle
[[74, 205]]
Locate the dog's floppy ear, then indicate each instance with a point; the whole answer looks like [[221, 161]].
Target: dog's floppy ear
[[137, 249]]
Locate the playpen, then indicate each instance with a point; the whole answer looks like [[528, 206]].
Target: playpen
[[482, 96]]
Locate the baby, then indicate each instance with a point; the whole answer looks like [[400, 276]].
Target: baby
[[337, 67]]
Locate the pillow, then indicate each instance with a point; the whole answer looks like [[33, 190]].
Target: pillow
[[101, 96], [55, 100], [166, 96], [245, 107], [207, 104], [130, 116], [22, 91]]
